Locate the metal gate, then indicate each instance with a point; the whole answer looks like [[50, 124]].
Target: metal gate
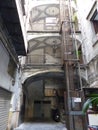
[[5, 98]]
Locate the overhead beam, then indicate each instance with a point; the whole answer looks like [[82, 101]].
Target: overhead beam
[[43, 31]]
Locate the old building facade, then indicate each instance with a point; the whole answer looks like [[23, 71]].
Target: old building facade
[[61, 60], [88, 22]]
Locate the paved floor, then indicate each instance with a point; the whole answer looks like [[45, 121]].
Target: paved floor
[[42, 126]]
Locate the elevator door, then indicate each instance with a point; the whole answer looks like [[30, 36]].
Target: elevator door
[[37, 109], [42, 109]]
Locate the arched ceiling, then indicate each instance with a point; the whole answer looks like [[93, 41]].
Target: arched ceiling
[[43, 11], [56, 73], [35, 3], [45, 18], [28, 85], [34, 82], [42, 42]]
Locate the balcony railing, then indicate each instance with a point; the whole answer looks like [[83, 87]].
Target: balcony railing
[[42, 60], [35, 59]]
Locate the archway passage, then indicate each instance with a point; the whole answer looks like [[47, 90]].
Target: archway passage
[[44, 96]]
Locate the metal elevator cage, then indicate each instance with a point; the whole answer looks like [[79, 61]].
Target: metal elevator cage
[[74, 96]]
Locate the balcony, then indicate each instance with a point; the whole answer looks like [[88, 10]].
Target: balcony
[[42, 61]]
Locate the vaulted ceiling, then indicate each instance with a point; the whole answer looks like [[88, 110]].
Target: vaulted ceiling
[[45, 41], [45, 18], [44, 21]]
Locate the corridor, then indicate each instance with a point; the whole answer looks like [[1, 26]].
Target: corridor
[[43, 81]]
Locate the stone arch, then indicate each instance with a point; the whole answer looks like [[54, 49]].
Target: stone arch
[[43, 74]]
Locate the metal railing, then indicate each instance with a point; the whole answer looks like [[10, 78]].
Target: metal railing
[[42, 60], [35, 59]]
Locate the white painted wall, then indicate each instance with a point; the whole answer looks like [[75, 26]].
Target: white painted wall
[[93, 119], [87, 29]]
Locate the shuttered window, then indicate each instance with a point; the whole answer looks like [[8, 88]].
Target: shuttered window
[[5, 97]]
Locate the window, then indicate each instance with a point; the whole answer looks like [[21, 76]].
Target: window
[[94, 19], [51, 21]]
